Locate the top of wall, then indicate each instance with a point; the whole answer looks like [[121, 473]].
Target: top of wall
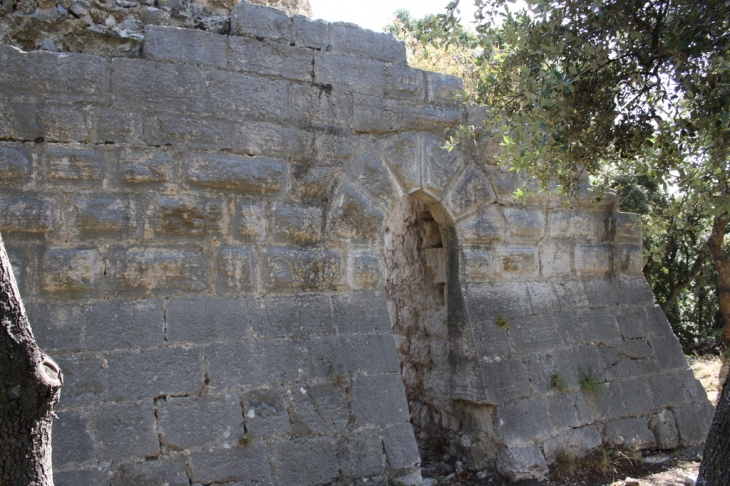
[[116, 28]]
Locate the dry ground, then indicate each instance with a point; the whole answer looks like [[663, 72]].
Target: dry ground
[[681, 467]]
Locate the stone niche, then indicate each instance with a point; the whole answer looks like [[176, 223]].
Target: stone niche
[[255, 263]]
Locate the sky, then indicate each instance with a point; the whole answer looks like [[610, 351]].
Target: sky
[[375, 14]]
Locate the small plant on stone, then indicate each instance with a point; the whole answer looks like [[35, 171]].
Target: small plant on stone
[[245, 440], [331, 367], [501, 322], [589, 382], [558, 383]]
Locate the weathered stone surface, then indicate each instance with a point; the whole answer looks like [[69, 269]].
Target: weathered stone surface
[[251, 221], [55, 123], [400, 447], [340, 356], [506, 300], [238, 96], [379, 400], [207, 319], [247, 464], [524, 420], [266, 413], [250, 55], [364, 269], [73, 272], [15, 166], [471, 190], [352, 40], [371, 113], [516, 262], [192, 133], [83, 380], [693, 421], [187, 216], [170, 471], [144, 166], [361, 312], [486, 226], [664, 428], [534, 333], [95, 475], [317, 106], [235, 270], [269, 362], [286, 268], [405, 82], [272, 140], [505, 380], [319, 409], [361, 454], [187, 422], [292, 315], [477, 265], [100, 216], [525, 223], [108, 125], [305, 462], [352, 74], [314, 34], [600, 292], [636, 396], [25, 215], [298, 224], [577, 442], [125, 430], [571, 224], [139, 269], [402, 157], [259, 21], [668, 352], [526, 462], [631, 432], [593, 260], [185, 46], [120, 325], [438, 165], [245, 176], [354, 217], [71, 438], [369, 171], [443, 88], [71, 164], [154, 372]]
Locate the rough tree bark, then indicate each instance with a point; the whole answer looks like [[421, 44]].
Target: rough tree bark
[[722, 265], [715, 466], [30, 386]]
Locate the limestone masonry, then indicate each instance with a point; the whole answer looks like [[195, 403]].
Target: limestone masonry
[[256, 265]]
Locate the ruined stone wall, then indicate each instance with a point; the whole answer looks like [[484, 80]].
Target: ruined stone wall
[[204, 238]]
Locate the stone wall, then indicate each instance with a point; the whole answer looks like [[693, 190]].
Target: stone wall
[[200, 238]]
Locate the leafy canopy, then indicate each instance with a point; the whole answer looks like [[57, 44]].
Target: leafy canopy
[[640, 86]]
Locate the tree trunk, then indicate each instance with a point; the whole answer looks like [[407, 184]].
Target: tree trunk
[[722, 265], [30, 385], [715, 466]]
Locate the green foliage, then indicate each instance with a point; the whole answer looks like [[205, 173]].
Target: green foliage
[[245, 440], [428, 29], [332, 369], [589, 382], [502, 322], [558, 383]]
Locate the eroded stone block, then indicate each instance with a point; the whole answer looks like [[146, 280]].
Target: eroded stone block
[[75, 272], [305, 461], [631, 432], [354, 217], [244, 175], [260, 21], [266, 413], [124, 431], [247, 464], [187, 422], [288, 268], [184, 46], [298, 224], [578, 442]]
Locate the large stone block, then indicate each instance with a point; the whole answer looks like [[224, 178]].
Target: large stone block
[[491, 340], [54, 123], [247, 464], [534, 333], [438, 165], [524, 462], [443, 88], [632, 321], [637, 398], [631, 432], [187, 216], [65, 76], [353, 40], [352, 74], [111, 324], [56, 327], [656, 323], [361, 312], [374, 114], [579, 225], [267, 58], [266, 413], [361, 454], [405, 82], [138, 166], [668, 352], [72, 441], [543, 297], [108, 125], [403, 159], [125, 431], [156, 86], [185, 46], [154, 372], [471, 189], [664, 428], [259, 21], [516, 262], [365, 269], [693, 421], [26, 215], [400, 447], [666, 390], [314, 34], [297, 224], [83, 380], [601, 292], [305, 462], [187, 422], [98, 475], [238, 96], [433, 118], [379, 399], [477, 265], [505, 379], [251, 221], [171, 471], [72, 272], [485, 301], [272, 140], [232, 172], [151, 269], [235, 270], [339, 356], [269, 362], [598, 325], [577, 442], [319, 409], [571, 294], [319, 106], [355, 217], [486, 226], [104, 216], [73, 164], [525, 223], [15, 165], [563, 413], [593, 260], [310, 269], [369, 170], [630, 259], [207, 319], [188, 132], [298, 315]]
